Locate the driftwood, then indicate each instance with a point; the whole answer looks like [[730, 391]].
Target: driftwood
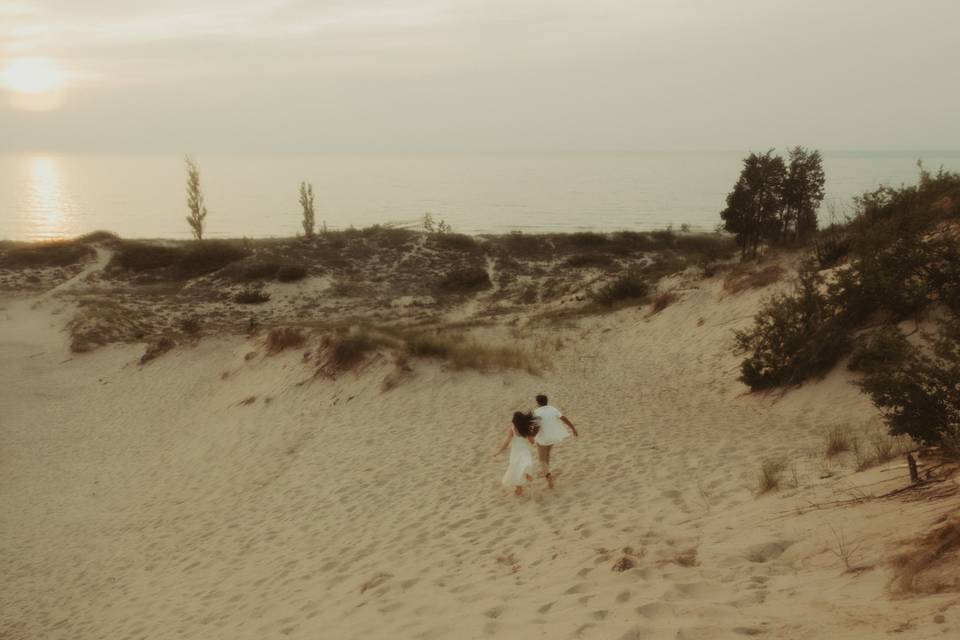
[[912, 463]]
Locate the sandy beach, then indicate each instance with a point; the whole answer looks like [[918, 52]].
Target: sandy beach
[[222, 491]]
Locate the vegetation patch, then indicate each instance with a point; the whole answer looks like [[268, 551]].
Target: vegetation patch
[[282, 338], [251, 296], [628, 287], [465, 280], [45, 254]]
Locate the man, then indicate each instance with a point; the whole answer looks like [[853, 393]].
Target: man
[[554, 429]]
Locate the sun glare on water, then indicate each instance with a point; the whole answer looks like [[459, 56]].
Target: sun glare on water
[[33, 83]]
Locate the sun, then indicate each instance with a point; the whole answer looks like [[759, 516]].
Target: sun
[[32, 76]]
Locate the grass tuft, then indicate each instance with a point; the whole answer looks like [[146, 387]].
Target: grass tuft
[[771, 472]]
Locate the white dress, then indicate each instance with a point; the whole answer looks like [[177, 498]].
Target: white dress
[[520, 463], [552, 429]]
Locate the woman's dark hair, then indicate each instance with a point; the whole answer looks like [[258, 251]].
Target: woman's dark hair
[[526, 424]]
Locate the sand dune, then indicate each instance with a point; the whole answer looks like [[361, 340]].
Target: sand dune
[[220, 492]]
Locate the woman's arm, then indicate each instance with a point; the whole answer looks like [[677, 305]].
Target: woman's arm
[[506, 442]]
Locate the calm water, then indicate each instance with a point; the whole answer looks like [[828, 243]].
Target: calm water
[[49, 196]]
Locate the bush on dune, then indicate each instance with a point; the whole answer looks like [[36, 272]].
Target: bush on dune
[[903, 259], [59, 253], [465, 280], [629, 287], [178, 261]]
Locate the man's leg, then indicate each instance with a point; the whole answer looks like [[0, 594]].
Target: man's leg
[[544, 455]]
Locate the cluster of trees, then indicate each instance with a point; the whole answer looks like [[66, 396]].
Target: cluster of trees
[[198, 210], [775, 201], [900, 261]]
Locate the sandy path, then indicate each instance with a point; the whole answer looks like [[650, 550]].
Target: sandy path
[[150, 503]]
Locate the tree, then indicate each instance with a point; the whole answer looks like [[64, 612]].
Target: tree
[[198, 210], [755, 204], [802, 194], [306, 203], [921, 395]]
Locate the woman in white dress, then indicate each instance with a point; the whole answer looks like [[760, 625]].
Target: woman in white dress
[[520, 440]]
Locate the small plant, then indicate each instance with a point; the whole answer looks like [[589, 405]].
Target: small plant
[[845, 549], [251, 296], [157, 349], [628, 287], [662, 300], [838, 440], [306, 204], [190, 325], [282, 338], [350, 350], [198, 210], [771, 471]]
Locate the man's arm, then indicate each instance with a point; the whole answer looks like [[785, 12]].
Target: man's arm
[[570, 426]]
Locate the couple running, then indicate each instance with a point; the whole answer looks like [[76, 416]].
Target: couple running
[[545, 427]]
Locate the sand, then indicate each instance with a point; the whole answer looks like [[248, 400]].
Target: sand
[[221, 492]]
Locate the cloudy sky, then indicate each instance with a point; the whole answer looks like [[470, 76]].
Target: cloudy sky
[[478, 75]]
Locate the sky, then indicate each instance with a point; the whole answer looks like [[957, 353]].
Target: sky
[[412, 76]]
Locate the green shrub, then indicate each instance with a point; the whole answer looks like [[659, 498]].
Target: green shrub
[[581, 260], [251, 296], [142, 256], [291, 273], [180, 261], [794, 337], [455, 242], [465, 280], [630, 286], [60, 253], [878, 350], [920, 395], [205, 257], [102, 237]]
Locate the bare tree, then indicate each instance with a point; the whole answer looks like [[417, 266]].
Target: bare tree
[[198, 210], [306, 203]]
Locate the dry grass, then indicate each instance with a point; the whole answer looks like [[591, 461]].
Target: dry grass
[[157, 348], [930, 567], [838, 440], [845, 549], [464, 355], [687, 558], [282, 338], [746, 277], [771, 472], [662, 300]]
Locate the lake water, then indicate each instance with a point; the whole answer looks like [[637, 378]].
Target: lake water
[[142, 196]]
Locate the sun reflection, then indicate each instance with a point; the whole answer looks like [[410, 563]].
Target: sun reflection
[[46, 197]]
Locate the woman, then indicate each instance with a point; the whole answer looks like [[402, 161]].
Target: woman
[[520, 440]]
